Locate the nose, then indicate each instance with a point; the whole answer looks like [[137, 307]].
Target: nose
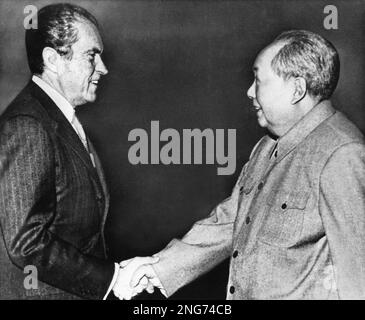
[[100, 66], [251, 91]]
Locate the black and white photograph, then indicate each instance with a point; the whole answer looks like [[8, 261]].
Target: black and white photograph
[[182, 150]]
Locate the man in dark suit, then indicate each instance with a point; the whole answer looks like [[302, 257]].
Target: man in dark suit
[[53, 195]]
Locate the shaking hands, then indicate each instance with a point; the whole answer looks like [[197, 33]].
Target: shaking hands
[[136, 275]]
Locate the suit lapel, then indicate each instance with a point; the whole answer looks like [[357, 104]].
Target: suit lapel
[[63, 128], [104, 189], [101, 177]]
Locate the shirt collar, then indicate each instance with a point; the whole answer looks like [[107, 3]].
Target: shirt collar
[[303, 128], [60, 101]]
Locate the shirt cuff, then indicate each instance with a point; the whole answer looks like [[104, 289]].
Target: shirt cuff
[[114, 280]]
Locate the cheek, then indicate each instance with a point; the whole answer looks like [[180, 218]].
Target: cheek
[[73, 73], [265, 96], [81, 71], [269, 100], [88, 72]]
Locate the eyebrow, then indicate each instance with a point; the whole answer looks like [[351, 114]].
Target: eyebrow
[[94, 50]]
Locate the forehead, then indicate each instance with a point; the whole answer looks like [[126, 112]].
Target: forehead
[[264, 58], [88, 37]]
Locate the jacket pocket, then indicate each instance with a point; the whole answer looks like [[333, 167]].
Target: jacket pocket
[[283, 219]]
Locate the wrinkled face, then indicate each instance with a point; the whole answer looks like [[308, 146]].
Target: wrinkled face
[[271, 95], [78, 77]]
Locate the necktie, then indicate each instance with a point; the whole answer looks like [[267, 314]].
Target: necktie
[[81, 133]]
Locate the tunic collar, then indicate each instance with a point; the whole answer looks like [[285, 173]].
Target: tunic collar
[[303, 128]]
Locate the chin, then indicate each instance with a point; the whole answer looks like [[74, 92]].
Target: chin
[[90, 98], [263, 123]]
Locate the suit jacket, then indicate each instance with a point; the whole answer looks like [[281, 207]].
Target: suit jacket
[[53, 205], [294, 225]]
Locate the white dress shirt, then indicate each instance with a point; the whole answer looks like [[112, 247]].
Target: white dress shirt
[[61, 102]]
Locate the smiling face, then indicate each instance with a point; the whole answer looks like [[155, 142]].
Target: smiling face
[[78, 78], [272, 95]]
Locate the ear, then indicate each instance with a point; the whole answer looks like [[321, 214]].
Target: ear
[[50, 57], [300, 90]]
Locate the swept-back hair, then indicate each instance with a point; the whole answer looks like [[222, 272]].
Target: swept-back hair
[[308, 55], [56, 29]]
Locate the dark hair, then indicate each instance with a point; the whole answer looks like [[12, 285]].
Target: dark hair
[[56, 29], [308, 55]]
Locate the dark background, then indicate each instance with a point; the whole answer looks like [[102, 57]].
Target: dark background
[[188, 65]]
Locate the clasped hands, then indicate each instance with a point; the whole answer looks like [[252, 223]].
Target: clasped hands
[[136, 275]]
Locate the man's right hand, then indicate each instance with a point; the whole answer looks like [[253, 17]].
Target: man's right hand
[[136, 275], [127, 274]]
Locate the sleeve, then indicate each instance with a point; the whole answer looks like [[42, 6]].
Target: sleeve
[[342, 207], [208, 243], [27, 209]]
